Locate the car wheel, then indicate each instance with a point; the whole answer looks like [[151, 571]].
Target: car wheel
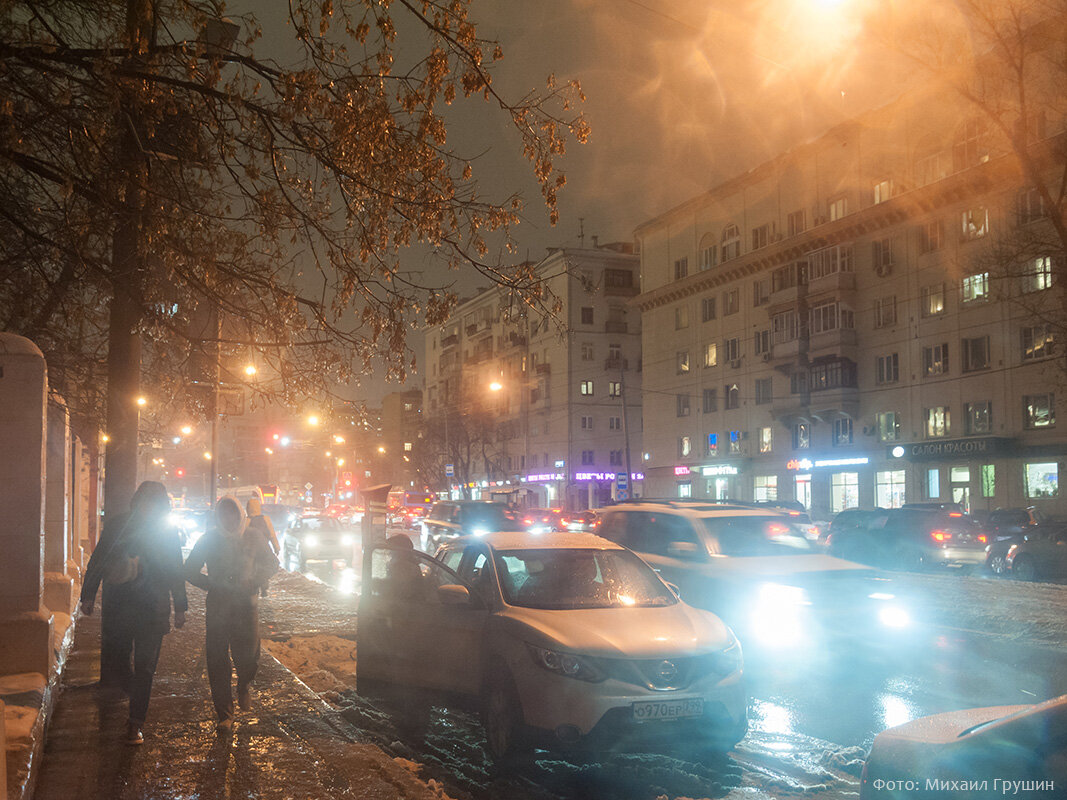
[[997, 565], [1024, 568], [502, 720]]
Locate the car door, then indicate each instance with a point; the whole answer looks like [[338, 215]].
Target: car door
[[409, 634]]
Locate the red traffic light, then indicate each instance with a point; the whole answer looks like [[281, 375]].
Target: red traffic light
[[180, 472]]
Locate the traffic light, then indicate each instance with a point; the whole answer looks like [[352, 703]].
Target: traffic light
[[179, 472], [346, 477]]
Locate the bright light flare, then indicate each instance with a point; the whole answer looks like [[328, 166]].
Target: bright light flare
[[142, 401], [207, 456], [186, 430], [313, 420], [496, 386], [250, 370]]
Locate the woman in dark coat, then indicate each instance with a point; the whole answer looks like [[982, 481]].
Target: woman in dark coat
[[139, 561]]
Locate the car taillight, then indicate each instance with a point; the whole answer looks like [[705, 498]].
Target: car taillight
[[527, 521], [940, 536], [982, 538], [777, 530]]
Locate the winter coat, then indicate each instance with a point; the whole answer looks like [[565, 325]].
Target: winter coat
[[237, 564]]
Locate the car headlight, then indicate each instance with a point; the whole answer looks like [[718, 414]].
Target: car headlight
[[311, 540], [894, 617], [567, 664], [348, 539], [778, 616], [479, 531]]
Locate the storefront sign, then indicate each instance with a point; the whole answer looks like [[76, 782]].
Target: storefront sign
[[804, 464], [682, 470], [952, 448], [719, 469], [544, 477], [605, 476]]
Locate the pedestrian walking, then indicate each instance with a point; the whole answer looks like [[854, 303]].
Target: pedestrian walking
[[239, 562], [259, 521], [139, 562]]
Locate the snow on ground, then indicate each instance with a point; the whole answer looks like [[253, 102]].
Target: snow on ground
[[445, 747]]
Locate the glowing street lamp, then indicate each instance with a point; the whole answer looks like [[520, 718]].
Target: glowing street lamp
[[142, 401], [496, 386], [313, 420], [207, 456], [339, 439], [250, 370], [187, 429], [381, 449]]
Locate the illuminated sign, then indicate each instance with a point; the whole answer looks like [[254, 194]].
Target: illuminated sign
[[898, 452], [681, 470], [807, 463], [561, 464], [544, 477], [954, 448], [605, 476], [719, 469]]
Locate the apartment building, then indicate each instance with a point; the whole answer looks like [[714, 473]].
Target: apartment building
[[541, 404], [867, 319]]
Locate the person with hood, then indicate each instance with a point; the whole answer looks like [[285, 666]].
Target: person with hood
[[139, 562], [239, 561], [261, 522]]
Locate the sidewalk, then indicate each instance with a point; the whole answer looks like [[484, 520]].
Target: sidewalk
[[291, 744]]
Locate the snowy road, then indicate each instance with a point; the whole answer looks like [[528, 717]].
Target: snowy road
[[983, 642]]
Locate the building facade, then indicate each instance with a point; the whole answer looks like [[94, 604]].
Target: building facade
[[541, 404], [865, 320]]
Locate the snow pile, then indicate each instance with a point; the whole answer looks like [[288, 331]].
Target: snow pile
[[848, 759], [324, 662]]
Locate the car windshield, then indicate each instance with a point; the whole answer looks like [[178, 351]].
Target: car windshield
[[487, 516], [321, 524], [758, 536], [577, 578]]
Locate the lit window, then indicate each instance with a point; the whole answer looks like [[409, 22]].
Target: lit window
[[935, 360], [933, 299], [685, 446], [735, 442], [937, 422], [888, 423], [586, 388], [614, 389], [842, 431], [1037, 342], [978, 417], [766, 439], [1039, 410], [975, 223], [1037, 274], [682, 361], [1043, 480], [765, 488], [407, 447], [975, 287], [711, 354]]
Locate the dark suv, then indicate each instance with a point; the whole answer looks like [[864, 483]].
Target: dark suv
[[449, 519], [916, 537]]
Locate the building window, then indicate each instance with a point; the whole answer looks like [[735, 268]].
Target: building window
[[789, 276], [1043, 480], [587, 316], [707, 309], [681, 317], [796, 223], [975, 287], [975, 222], [969, 147], [614, 458], [614, 423], [882, 256], [761, 292], [842, 431], [933, 483], [838, 208], [761, 341], [587, 351], [989, 480], [885, 312], [931, 168], [711, 401], [977, 418], [614, 388], [682, 401], [1037, 342], [761, 236], [709, 257], [685, 446], [763, 391], [766, 439], [1029, 206], [407, 447], [844, 491], [883, 190], [1037, 274], [712, 444], [937, 422], [933, 300], [618, 279], [801, 436], [830, 317], [685, 489], [935, 360], [1039, 410], [731, 302], [888, 424], [802, 488], [681, 268], [765, 488], [732, 395], [889, 488], [682, 361], [731, 242], [735, 442], [587, 423], [786, 326], [976, 354], [711, 354], [731, 349], [931, 236], [586, 388], [829, 261], [587, 457]]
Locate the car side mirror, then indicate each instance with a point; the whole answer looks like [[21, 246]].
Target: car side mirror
[[686, 550], [452, 594]]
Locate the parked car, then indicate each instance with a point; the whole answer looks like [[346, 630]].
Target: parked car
[[1041, 554], [850, 534], [408, 509], [1010, 521], [962, 754], [449, 519], [567, 641], [316, 539], [758, 570], [581, 521], [916, 537], [542, 520]]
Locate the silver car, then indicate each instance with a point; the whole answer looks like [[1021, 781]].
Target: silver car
[[564, 642]]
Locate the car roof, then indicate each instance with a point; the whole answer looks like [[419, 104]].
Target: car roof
[[706, 510], [522, 540]]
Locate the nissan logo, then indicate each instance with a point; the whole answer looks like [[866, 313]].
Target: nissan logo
[[666, 671]]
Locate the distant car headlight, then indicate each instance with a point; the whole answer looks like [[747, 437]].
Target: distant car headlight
[[311, 540], [567, 664], [479, 531], [348, 539], [894, 617]]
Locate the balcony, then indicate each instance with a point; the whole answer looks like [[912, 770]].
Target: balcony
[[834, 282], [516, 340], [783, 298], [791, 406], [543, 369], [615, 326], [841, 342], [830, 403], [616, 364], [450, 341], [786, 351]]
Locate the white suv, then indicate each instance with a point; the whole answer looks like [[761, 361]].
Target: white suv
[[757, 567]]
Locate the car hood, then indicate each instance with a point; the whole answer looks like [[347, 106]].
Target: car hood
[[656, 632], [770, 567]]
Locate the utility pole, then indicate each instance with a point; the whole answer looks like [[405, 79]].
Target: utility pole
[[625, 427]]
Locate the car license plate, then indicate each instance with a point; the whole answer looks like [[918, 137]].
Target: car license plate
[[669, 709]]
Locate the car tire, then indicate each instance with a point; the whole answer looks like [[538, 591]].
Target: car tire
[[502, 720], [997, 565], [1024, 568]]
